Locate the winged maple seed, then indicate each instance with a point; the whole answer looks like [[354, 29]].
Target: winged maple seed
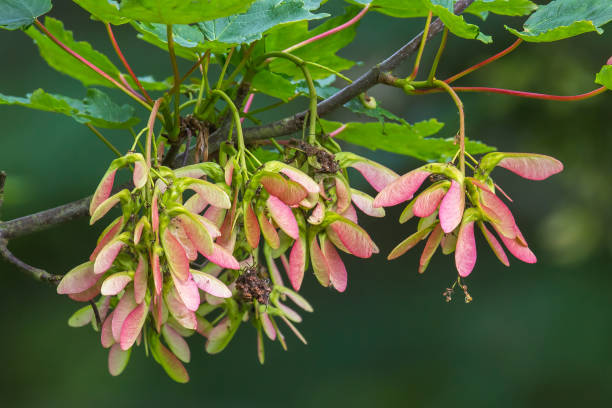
[[444, 219], [147, 265]]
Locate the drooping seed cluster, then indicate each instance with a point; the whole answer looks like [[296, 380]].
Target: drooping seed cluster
[[445, 219], [185, 254]]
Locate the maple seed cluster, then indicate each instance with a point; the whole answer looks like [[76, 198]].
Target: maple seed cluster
[[186, 254], [446, 222]]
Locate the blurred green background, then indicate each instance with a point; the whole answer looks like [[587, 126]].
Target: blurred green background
[[534, 336]]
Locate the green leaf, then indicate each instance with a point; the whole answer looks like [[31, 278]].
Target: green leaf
[[444, 9], [322, 52], [97, 108], [604, 77], [562, 19], [378, 112], [266, 155], [15, 14], [274, 85], [409, 140], [166, 12], [401, 9], [65, 63], [502, 7], [220, 34], [188, 40], [101, 111], [262, 16]]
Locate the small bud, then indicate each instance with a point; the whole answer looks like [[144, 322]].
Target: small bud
[[448, 294], [368, 101], [609, 61], [408, 88], [468, 297]]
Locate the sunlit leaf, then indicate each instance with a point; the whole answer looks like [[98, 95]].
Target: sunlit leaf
[[261, 16], [503, 7], [273, 84], [96, 108], [166, 12], [604, 77], [444, 9], [15, 14], [562, 19]]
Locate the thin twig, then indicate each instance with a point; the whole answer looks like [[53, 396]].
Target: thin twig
[[36, 273]]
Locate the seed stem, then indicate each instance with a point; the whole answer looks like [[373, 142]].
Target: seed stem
[[177, 83], [417, 61], [132, 94], [459, 104], [103, 139], [236, 116], [113, 41], [485, 62], [434, 65]]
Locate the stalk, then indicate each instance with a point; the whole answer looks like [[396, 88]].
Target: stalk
[[247, 106], [532, 95], [113, 41], [103, 139], [210, 104], [177, 80], [417, 61], [242, 63], [150, 126], [434, 65], [300, 63], [459, 104], [224, 69], [204, 82], [137, 97], [523, 94], [236, 117], [330, 32], [485, 62]]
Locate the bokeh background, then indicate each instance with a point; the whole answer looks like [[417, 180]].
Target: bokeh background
[[535, 335]]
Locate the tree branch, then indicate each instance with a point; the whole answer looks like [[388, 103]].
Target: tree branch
[[44, 219], [294, 123], [67, 212], [36, 273]]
